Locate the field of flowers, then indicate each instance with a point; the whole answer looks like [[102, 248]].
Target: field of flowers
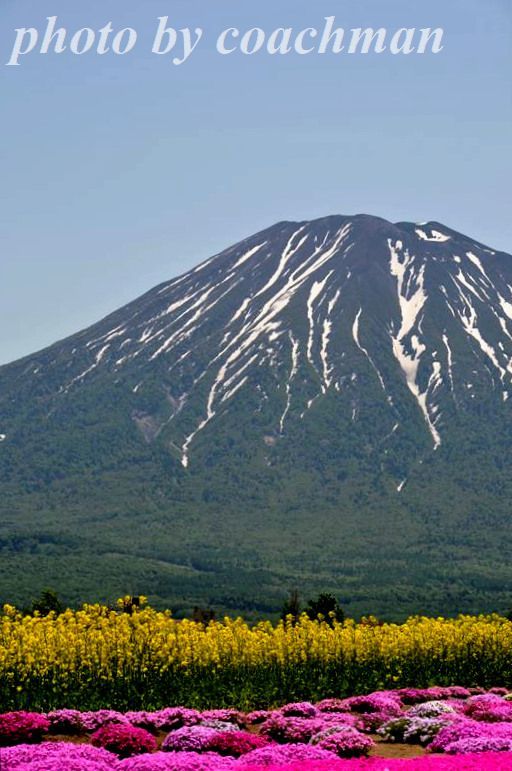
[[97, 657], [439, 728]]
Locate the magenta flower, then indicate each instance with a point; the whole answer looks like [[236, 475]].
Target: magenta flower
[[299, 709], [489, 708], [176, 717], [483, 743], [57, 756], [462, 728], [236, 743], [178, 761], [124, 740], [276, 755], [91, 721], [257, 716], [380, 701], [292, 729], [344, 741], [189, 739], [223, 715], [65, 721], [333, 705], [22, 728], [370, 722]]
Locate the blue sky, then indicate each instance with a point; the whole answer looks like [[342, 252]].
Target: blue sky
[[121, 172]]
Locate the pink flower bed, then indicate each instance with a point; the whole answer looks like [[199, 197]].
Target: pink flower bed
[[22, 727], [124, 740], [57, 756], [487, 762], [179, 761], [460, 728]]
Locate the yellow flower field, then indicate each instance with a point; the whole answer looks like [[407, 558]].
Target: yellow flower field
[[97, 657]]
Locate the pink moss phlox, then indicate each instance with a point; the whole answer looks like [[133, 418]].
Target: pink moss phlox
[[124, 740], [280, 755], [22, 727], [431, 709], [236, 743], [257, 716], [299, 709], [65, 721], [485, 743], [333, 705], [380, 701], [179, 761], [91, 721], [370, 722], [220, 725], [489, 708], [189, 739], [223, 715], [478, 762], [436, 693], [172, 718], [344, 741], [142, 719], [342, 718], [57, 756], [292, 729], [464, 728]]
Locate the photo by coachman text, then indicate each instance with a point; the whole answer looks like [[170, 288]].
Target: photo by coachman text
[[180, 44]]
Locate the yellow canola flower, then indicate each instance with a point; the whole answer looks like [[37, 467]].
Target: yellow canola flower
[[96, 644]]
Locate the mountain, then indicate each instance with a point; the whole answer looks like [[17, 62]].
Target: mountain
[[324, 405]]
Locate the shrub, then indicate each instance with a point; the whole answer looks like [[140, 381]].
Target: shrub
[[220, 725], [344, 741], [370, 722], [431, 709], [91, 721], [489, 709], [291, 729], [462, 728], [413, 730], [124, 740], [386, 701], [282, 755], [176, 717], [299, 709], [178, 761], [57, 756], [257, 716], [486, 743], [22, 728], [189, 739], [333, 705], [236, 743], [65, 721], [224, 715], [167, 719]]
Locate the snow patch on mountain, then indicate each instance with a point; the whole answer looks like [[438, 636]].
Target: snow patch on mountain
[[411, 299], [435, 236]]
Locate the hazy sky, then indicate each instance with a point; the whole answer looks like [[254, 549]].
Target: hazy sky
[[117, 173]]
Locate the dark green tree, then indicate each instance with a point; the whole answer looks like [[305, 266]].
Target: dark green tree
[[203, 615], [327, 606], [292, 606], [47, 602]]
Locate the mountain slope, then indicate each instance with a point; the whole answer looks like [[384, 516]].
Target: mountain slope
[[325, 404]]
